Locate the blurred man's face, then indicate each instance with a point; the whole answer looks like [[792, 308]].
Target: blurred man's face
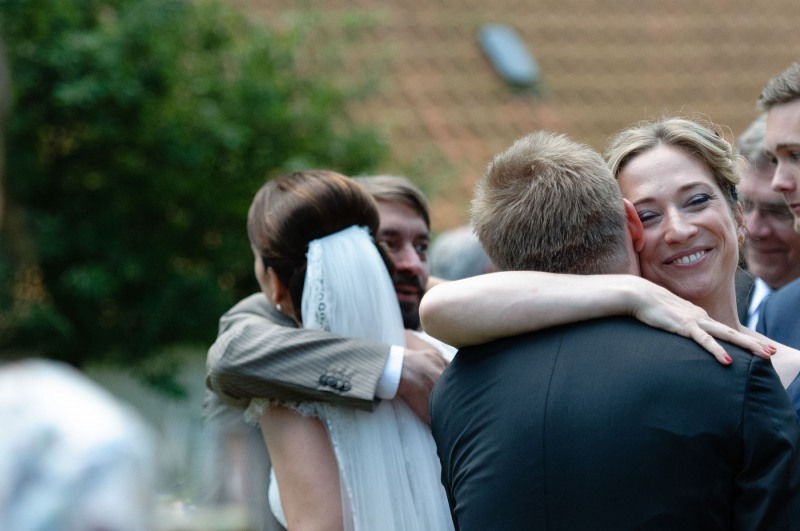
[[783, 145], [406, 237], [772, 247]]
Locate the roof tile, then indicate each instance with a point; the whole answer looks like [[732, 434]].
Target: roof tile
[[604, 66]]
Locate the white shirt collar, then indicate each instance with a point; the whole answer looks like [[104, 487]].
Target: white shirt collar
[[759, 293]]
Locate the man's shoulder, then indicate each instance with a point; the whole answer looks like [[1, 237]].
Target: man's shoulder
[[789, 294], [608, 341], [597, 355], [448, 351], [627, 331], [256, 303], [780, 320], [253, 310]]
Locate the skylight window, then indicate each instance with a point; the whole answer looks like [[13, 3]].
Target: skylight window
[[509, 55]]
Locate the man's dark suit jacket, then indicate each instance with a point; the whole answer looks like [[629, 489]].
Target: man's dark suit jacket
[[780, 315], [780, 321], [744, 282], [610, 424]]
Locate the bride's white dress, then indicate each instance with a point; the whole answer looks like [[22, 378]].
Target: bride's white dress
[[388, 468]]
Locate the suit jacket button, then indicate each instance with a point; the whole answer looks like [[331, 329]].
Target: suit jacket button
[[323, 380], [346, 386], [331, 381]]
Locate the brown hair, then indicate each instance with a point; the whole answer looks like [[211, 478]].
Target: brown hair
[[783, 88], [550, 204], [751, 143], [290, 211], [396, 189]]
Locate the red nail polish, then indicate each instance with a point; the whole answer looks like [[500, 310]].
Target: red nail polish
[[728, 358]]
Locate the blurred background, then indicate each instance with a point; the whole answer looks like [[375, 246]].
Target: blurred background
[[137, 131], [602, 66]]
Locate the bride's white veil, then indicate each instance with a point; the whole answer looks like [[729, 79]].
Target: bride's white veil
[[348, 290], [387, 460]]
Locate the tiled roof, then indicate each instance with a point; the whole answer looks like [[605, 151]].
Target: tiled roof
[[604, 65]]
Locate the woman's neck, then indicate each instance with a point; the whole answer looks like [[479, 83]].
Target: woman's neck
[[722, 307]]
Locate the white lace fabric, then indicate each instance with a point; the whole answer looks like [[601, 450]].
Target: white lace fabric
[[347, 289], [388, 468]]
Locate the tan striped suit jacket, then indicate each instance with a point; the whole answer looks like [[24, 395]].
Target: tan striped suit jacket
[[260, 353]]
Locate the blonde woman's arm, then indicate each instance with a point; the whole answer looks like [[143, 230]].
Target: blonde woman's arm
[[487, 307], [785, 361]]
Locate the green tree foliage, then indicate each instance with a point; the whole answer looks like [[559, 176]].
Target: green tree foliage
[[140, 131]]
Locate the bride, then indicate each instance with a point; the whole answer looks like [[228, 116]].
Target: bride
[[336, 467]]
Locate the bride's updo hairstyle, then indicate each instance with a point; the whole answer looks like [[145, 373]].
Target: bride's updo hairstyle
[[698, 140], [290, 211]]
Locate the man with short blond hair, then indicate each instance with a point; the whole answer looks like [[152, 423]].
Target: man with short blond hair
[[780, 99], [607, 423], [772, 247]]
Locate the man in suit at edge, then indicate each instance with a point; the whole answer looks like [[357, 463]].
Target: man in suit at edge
[[780, 99], [608, 423], [260, 353], [771, 247]]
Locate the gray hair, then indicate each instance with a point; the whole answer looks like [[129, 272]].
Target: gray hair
[[751, 143], [457, 253]]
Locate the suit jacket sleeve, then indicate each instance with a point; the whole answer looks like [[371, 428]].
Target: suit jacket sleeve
[[769, 482], [779, 319], [744, 282], [260, 353], [764, 318]]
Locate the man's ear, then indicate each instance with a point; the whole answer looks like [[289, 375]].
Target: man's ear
[[635, 228]]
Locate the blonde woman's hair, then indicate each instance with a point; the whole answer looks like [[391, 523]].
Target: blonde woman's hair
[[703, 142]]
